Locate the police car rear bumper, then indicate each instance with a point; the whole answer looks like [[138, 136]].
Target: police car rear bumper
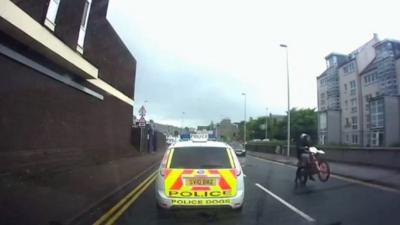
[[167, 203]]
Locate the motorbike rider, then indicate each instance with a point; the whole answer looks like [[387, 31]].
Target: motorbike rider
[[302, 147]]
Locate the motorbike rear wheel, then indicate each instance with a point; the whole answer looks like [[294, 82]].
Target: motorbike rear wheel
[[324, 170]]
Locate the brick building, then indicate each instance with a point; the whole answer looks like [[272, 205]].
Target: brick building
[[67, 79]]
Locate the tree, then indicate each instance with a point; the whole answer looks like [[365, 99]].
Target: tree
[[301, 121]]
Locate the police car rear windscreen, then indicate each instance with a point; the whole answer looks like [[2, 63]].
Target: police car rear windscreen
[[200, 158]]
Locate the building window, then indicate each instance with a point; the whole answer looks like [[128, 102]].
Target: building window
[[353, 102], [371, 78], [322, 96], [349, 68], [354, 139], [353, 87], [376, 112], [345, 87], [50, 20], [353, 105], [352, 84], [322, 121], [84, 21], [354, 122], [376, 138], [347, 122]]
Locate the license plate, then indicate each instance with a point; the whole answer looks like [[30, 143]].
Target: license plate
[[201, 182]]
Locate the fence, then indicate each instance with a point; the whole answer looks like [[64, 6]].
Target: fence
[[382, 157]]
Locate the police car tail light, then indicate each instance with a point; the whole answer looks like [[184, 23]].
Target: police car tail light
[[237, 171], [163, 169], [164, 172]]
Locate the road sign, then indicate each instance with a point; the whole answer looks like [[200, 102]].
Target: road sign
[[142, 111], [142, 122]]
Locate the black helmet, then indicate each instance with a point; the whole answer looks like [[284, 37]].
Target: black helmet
[[305, 139]]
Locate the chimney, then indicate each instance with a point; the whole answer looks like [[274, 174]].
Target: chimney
[[376, 37]]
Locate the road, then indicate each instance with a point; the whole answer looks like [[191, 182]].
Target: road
[[272, 198]]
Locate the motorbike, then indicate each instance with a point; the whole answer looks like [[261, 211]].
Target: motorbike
[[313, 164]]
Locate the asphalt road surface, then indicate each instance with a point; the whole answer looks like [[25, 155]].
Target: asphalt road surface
[[272, 198]]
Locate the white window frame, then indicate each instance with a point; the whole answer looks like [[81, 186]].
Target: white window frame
[[374, 138], [354, 122], [377, 114], [323, 121], [354, 139], [51, 14], [83, 26]]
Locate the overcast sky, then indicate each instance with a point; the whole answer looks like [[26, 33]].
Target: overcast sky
[[198, 57]]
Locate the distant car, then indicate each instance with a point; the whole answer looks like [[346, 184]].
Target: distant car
[[171, 140], [238, 148], [199, 174], [265, 139], [256, 140]]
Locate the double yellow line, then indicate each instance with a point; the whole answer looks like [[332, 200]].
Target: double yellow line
[[112, 215]]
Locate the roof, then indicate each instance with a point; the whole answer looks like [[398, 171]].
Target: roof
[[387, 40], [335, 54], [199, 144], [371, 66]]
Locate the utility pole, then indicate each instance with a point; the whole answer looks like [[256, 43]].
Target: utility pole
[[288, 98], [244, 129], [266, 124]]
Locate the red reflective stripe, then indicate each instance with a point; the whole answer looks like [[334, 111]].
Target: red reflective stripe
[[213, 171], [167, 172], [178, 184], [223, 184], [233, 171], [187, 171], [200, 188]]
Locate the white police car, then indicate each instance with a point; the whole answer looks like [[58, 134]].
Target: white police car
[[200, 173]]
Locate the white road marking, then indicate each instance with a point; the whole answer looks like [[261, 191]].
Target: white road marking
[[294, 209], [343, 178]]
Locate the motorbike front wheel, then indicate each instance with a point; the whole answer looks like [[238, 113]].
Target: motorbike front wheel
[[324, 171], [301, 175]]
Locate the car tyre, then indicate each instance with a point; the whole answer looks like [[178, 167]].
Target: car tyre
[[161, 212], [238, 210]]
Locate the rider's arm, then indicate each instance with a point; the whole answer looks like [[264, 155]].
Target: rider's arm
[[305, 149]]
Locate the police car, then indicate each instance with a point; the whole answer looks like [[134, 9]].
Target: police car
[[200, 173]]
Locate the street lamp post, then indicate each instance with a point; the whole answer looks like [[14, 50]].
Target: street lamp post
[[266, 124], [244, 127], [288, 99]]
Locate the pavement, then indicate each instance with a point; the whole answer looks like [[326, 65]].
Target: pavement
[[376, 175], [61, 197], [271, 197]]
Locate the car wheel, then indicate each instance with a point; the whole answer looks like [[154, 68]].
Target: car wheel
[[238, 210], [161, 212]]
